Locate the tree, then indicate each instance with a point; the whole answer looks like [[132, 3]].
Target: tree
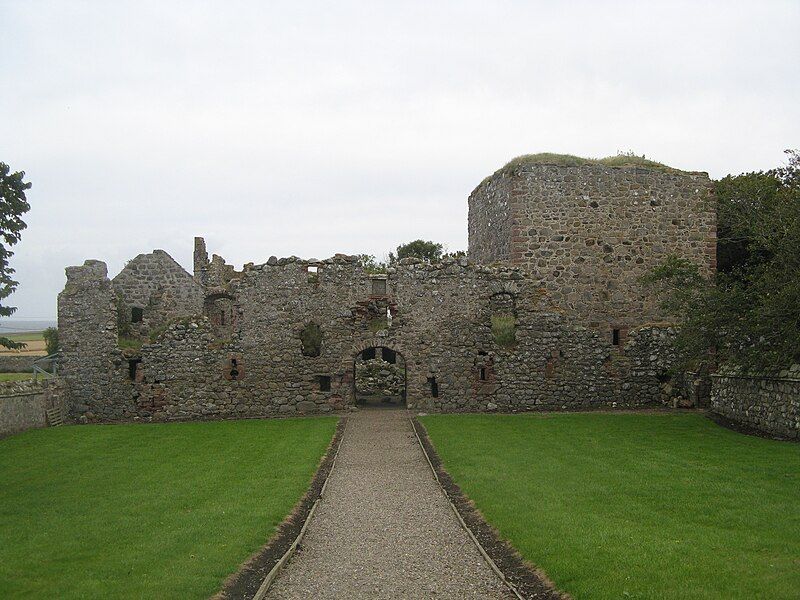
[[424, 250], [370, 264], [13, 205], [749, 313], [50, 336]]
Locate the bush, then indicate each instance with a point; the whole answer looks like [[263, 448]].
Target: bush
[[50, 336]]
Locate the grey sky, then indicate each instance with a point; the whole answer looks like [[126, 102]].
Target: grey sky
[[315, 128]]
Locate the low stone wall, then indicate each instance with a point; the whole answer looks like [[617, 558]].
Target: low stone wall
[[17, 363], [23, 404], [769, 404]]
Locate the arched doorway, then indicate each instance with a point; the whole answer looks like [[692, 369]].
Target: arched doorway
[[380, 378]]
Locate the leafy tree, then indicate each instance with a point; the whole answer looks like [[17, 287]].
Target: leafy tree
[[13, 205], [50, 336], [370, 264], [424, 250], [749, 314]]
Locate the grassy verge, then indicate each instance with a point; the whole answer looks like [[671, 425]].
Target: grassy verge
[[634, 505], [147, 511], [15, 376]]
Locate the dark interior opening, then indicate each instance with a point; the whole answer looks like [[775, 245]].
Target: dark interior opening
[[615, 337], [137, 314], [434, 387], [482, 373], [368, 354], [324, 383], [234, 368], [389, 355], [133, 364]]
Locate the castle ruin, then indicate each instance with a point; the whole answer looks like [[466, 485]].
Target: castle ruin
[[547, 312]]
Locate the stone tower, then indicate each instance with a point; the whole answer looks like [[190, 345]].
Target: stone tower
[[589, 231]]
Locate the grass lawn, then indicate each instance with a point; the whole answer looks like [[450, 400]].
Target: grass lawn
[[15, 376], [634, 505], [147, 511]]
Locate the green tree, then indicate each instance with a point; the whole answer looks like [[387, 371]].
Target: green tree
[[370, 264], [422, 249], [749, 313], [50, 336], [13, 205]]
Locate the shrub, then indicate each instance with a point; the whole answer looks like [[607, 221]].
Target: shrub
[[50, 336]]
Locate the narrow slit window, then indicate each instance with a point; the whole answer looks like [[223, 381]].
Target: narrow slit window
[[615, 337], [482, 373], [133, 366], [434, 387]]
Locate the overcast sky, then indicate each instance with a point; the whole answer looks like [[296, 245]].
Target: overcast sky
[[314, 128]]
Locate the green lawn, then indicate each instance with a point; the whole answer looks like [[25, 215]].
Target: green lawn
[[146, 511], [634, 505], [15, 376]]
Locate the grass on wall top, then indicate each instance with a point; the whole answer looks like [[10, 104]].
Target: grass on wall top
[[625, 159]]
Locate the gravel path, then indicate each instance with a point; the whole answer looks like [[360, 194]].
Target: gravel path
[[384, 529]]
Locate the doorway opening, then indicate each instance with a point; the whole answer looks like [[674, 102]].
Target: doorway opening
[[379, 377]]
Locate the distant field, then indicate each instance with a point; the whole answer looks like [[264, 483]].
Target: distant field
[[25, 336], [34, 340]]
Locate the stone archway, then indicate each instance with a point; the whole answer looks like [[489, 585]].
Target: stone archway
[[349, 379], [380, 378]]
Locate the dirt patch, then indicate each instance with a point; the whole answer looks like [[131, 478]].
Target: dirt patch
[[245, 582], [529, 581]]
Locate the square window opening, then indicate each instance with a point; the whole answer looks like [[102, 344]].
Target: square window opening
[[378, 287], [324, 382], [137, 314]]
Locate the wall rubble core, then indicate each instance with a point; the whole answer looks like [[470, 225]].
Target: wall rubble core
[[222, 343]]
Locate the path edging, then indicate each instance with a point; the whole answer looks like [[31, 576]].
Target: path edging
[[232, 589], [273, 574], [527, 582]]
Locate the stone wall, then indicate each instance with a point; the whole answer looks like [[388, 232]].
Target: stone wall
[[590, 232], [437, 318], [92, 363], [769, 404], [17, 363], [157, 286], [23, 404]]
